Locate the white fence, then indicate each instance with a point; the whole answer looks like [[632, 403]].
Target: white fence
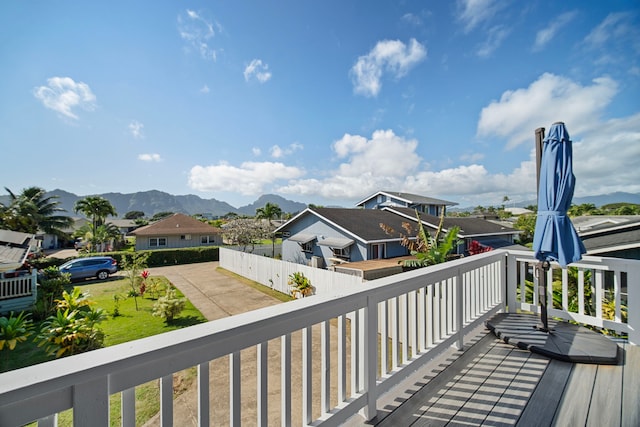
[[304, 358], [275, 273], [18, 293]]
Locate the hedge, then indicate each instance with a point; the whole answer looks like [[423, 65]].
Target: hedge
[[158, 258]]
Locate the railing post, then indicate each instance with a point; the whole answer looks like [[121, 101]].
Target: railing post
[[459, 304], [633, 304], [370, 358], [511, 285], [91, 403]]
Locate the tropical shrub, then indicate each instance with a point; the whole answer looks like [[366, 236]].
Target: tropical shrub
[[301, 284], [13, 330], [168, 307], [51, 286]]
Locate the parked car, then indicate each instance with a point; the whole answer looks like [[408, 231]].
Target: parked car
[[95, 266], [80, 243]]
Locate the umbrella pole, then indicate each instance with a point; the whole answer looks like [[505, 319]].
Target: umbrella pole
[[542, 267]]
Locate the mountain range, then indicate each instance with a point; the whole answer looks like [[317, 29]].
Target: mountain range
[[153, 201]]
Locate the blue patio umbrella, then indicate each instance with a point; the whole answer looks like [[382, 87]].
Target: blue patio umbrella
[[554, 238]]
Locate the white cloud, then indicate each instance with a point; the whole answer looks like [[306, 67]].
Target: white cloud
[[63, 94], [475, 12], [388, 56], [495, 37], [249, 179], [197, 32], [150, 157], [549, 99], [472, 157], [204, 89], [545, 35], [277, 152], [257, 69], [135, 127], [614, 26], [256, 151]]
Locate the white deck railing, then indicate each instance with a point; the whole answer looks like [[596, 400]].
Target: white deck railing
[[331, 360], [24, 284]]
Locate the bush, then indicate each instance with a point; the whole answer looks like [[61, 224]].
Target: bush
[[169, 306], [162, 257]]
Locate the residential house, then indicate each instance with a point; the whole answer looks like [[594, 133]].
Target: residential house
[[610, 236], [383, 199], [329, 236], [176, 231], [18, 283]]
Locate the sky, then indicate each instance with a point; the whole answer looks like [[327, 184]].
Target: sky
[[322, 102]]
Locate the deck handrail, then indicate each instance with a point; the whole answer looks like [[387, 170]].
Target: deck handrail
[[420, 313]]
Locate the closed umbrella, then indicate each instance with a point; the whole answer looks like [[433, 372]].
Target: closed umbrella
[[554, 238]]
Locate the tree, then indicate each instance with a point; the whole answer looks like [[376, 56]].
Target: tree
[[134, 215], [426, 249], [133, 264], [243, 232], [526, 223], [269, 212], [97, 208], [160, 215], [31, 211]]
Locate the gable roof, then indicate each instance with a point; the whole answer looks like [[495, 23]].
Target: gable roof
[[411, 199], [176, 224], [360, 224], [15, 248], [612, 238], [469, 227]]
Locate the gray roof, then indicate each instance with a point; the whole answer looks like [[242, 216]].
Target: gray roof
[[469, 227], [14, 248], [612, 238], [412, 199]]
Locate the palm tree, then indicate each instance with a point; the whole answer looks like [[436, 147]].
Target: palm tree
[[31, 211], [97, 208], [269, 212]]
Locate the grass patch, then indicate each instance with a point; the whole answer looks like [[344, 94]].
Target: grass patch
[[129, 325], [257, 286]]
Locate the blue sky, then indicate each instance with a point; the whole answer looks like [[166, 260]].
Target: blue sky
[[320, 102]]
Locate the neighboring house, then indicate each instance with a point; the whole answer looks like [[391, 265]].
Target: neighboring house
[[15, 248], [176, 231], [328, 236], [18, 284], [610, 236], [383, 199], [124, 225]]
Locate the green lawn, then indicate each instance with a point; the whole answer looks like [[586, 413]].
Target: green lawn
[[130, 325]]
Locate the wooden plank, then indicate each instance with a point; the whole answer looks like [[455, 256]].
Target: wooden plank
[[630, 387], [574, 406], [450, 400], [530, 368], [542, 404], [410, 410], [606, 400]]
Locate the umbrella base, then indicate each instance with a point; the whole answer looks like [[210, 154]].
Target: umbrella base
[[564, 341]]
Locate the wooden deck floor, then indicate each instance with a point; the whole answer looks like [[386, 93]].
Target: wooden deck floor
[[493, 383]]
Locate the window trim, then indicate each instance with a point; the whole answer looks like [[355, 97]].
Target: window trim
[[157, 242]]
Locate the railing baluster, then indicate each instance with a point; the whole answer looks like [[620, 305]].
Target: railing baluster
[[235, 389], [420, 321], [581, 291], [50, 421], [204, 413], [404, 335], [370, 361], [262, 383], [617, 289], [412, 324], [599, 283], [430, 316], [128, 407], [285, 379], [325, 349], [342, 358], [393, 317], [384, 337], [166, 401], [307, 372]]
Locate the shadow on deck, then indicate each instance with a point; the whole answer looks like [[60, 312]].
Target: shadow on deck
[[493, 383]]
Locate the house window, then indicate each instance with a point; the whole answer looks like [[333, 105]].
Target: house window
[[205, 240], [341, 252], [185, 237], [155, 242], [307, 247]]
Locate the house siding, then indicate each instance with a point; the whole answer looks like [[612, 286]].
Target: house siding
[[175, 242]]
